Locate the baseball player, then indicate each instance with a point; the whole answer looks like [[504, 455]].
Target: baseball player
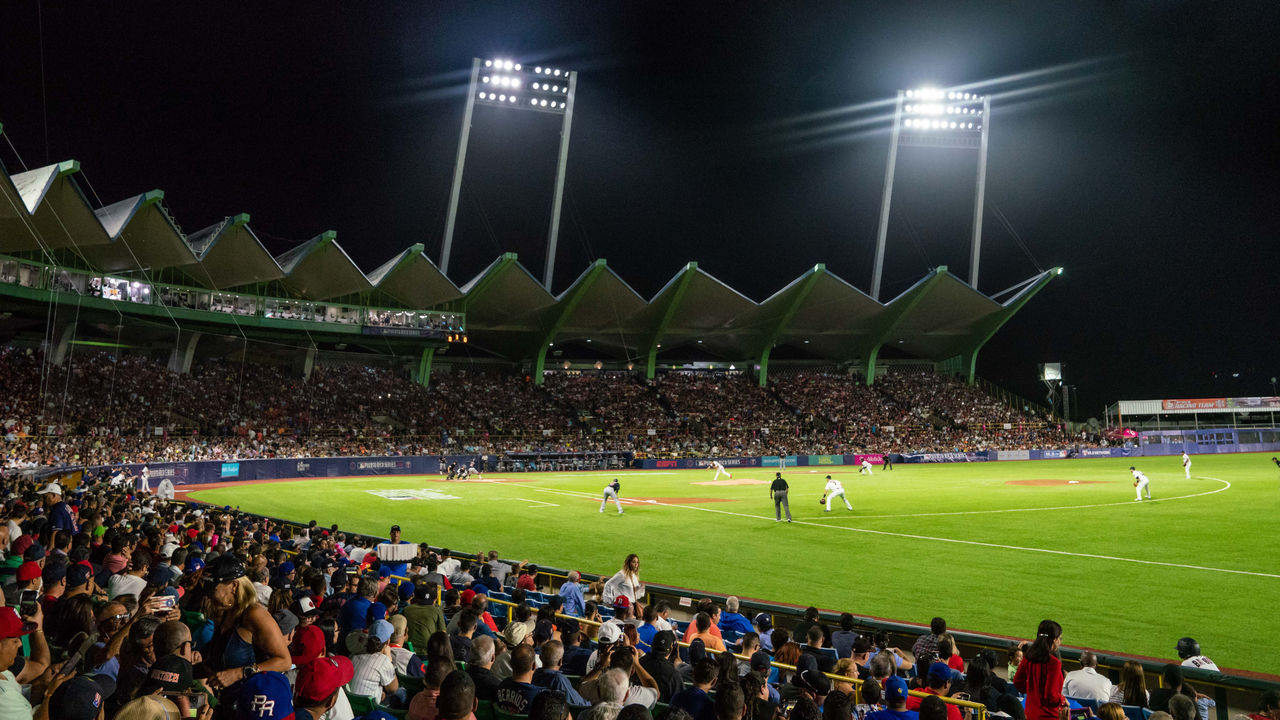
[[1140, 482], [1186, 464], [144, 481], [611, 491], [866, 467], [473, 470], [715, 465], [832, 490]]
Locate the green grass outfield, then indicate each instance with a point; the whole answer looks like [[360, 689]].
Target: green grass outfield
[[956, 540]]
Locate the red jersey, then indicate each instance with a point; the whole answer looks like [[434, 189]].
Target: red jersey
[[1041, 682]]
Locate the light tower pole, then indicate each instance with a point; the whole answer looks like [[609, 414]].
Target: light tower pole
[[930, 117], [509, 84]]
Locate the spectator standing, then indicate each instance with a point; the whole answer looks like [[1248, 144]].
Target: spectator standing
[[625, 582], [1040, 676]]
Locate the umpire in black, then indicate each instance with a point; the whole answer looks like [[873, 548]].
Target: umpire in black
[[779, 491]]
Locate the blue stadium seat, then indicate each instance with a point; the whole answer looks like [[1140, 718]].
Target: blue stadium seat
[[1085, 703], [1134, 712]]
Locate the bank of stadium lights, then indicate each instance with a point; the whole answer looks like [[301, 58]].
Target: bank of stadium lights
[[506, 82], [935, 109]]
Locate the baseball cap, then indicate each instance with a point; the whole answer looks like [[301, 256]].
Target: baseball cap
[[170, 674], [763, 621], [940, 672], [608, 633], [516, 632], [662, 642], [395, 528], [307, 645], [78, 575], [194, 564], [54, 572], [306, 607], [380, 629], [266, 696], [287, 621], [80, 698], [321, 678], [159, 575], [895, 690], [812, 680], [35, 552], [467, 596], [29, 570], [19, 546], [697, 650], [622, 601], [542, 631], [52, 487], [760, 660], [286, 567], [224, 568]]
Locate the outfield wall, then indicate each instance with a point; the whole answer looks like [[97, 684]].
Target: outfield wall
[[1152, 443]]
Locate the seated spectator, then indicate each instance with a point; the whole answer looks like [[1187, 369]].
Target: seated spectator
[[842, 639], [731, 705], [461, 640], [1111, 711], [1182, 707], [549, 705], [550, 677], [12, 630], [1173, 684], [482, 656], [696, 700], [701, 630], [610, 695], [319, 687], [845, 668], [731, 620], [422, 706], [517, 692], [925, 649], [423, 615], [760, 704], [1268, 706], [1132, 688], [641, 686], [814, 644], [937, 682], [1086, 683], [838, 706], [932, 708], [575, 655], [375, 672]]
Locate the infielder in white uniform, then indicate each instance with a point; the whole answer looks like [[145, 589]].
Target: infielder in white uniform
[[1140, 482], [834, 489], [144, 480], [866, 467], [611, 491], [715, 465], [1186, 463]]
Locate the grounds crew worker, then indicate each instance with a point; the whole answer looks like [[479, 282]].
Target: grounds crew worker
[[779, 491]]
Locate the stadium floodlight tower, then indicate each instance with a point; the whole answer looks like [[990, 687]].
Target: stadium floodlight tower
[[931, 117], [506, 83]]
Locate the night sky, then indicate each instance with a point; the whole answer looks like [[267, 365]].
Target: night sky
[[1133, 143]]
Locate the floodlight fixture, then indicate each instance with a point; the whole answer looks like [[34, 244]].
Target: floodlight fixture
[[557, 99], [926, 117]]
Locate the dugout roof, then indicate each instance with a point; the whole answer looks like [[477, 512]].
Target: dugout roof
[[508, 312]]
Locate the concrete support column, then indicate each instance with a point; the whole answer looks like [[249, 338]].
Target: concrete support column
[[183, 353]]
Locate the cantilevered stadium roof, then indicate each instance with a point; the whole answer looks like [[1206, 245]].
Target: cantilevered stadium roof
[[508, 312]]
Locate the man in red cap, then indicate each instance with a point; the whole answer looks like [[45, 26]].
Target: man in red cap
[[319, 683], [12, 628]]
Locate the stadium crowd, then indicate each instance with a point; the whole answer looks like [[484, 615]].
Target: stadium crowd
[[120, 605], [98, 408]]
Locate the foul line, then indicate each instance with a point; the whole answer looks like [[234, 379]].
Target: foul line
[[1225, 486], [1094, 556]]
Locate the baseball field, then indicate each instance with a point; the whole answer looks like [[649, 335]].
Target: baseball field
[[993, 547]]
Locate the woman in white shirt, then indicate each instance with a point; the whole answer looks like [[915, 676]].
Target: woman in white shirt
[[625, 582]]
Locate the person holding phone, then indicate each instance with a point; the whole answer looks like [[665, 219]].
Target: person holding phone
[[12, 629]]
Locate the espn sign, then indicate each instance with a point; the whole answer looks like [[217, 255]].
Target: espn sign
[[1195, 404]]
